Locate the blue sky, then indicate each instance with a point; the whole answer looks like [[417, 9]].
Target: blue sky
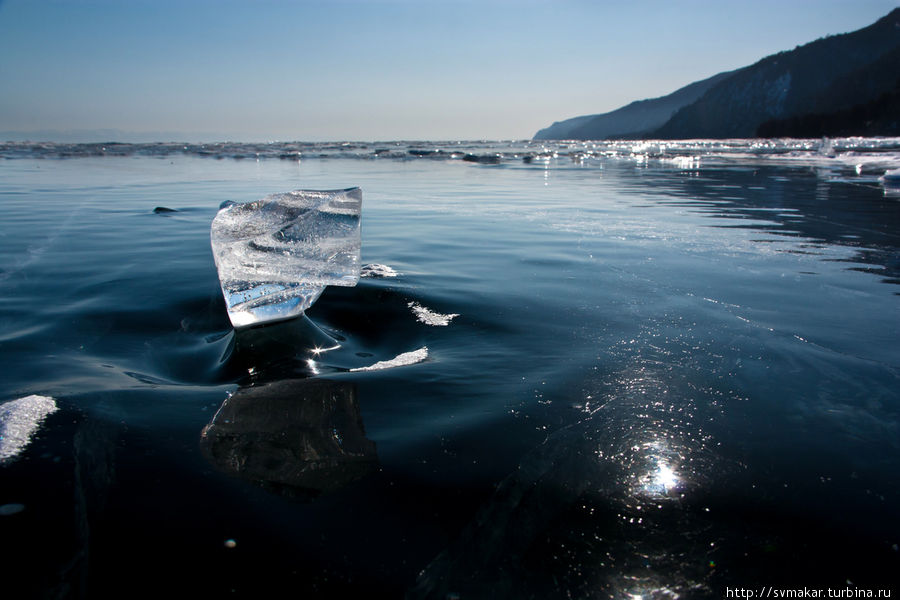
[[377, 69]]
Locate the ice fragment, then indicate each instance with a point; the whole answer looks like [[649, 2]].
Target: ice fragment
[[891, 177], [276, 255]]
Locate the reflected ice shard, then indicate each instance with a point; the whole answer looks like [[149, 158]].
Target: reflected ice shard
[[276, 255]]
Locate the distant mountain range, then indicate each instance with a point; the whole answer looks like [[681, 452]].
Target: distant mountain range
[[846, 84]]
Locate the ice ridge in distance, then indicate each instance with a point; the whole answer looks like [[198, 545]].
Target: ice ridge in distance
[[276, 255]]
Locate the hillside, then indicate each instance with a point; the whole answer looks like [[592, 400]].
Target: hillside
[[842, 83], [641, 115]]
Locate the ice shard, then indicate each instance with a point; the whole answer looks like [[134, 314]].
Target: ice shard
[[275, 256]]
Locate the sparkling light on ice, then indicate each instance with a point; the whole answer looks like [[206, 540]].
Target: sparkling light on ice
[[276, 255]]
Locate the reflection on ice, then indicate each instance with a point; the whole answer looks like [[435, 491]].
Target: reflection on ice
[[301, 438], [318, 350], [278, 352], [660, 482], [665, 478], [612, 506], [653, 472]]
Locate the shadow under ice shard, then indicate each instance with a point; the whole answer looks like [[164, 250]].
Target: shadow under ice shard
[[276, 255]]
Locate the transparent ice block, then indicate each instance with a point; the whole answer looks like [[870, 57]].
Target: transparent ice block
[[276, 255]]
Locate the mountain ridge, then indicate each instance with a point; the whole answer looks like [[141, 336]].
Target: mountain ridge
[[636, 116], [849, 76]]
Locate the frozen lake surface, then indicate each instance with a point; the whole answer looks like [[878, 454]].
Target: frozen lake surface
[[629, 370]]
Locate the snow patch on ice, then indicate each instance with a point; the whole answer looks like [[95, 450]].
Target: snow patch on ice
[[429, 317], [401, 360], [19, 419], [377, 270]]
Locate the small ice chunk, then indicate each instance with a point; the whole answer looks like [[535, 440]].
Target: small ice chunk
[[377, 270], [276, 255], [19, 419], [401, 360], [826, 148], [891, 177], [429, 317]]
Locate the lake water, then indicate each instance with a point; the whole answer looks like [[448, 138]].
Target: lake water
[[672, 370]]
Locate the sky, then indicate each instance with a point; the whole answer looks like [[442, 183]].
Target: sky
[[314, 70]]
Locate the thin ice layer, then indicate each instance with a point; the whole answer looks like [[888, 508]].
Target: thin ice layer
[[276, 255]]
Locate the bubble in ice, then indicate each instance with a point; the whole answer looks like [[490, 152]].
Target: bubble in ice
[[275, 256]]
